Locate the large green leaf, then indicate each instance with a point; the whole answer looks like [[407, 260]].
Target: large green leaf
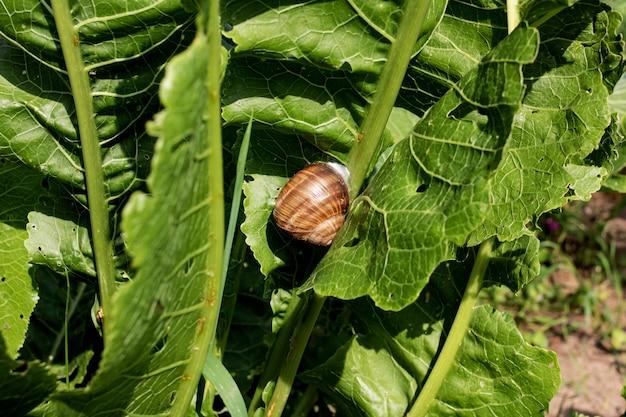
[[431, 193], [562, 119], [154, 320], [338, 34], [294, 100], [124, 47], [532, 150], [495, 372]]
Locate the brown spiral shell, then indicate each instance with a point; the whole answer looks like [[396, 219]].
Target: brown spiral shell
[[312, 206]]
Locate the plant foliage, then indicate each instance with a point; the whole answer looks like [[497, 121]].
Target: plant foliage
[[492, 127]]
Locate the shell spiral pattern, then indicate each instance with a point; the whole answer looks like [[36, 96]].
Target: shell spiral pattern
[[313, 204]]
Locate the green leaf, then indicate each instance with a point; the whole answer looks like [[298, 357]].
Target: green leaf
[[328, 34], [617, 99], [536, 12], [273, 159], [23, 385], [293, 100], [422, 203], [379, 372], [155, 317], [215, 372], [542, 163], [63, 245], [616, 183], [21, 190], [18, 292], [514, 263], [455, 47], [125, 48]]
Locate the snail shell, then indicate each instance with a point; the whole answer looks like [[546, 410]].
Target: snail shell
[[313, 204]]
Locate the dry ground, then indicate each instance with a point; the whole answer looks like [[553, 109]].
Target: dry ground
[[592, 378]]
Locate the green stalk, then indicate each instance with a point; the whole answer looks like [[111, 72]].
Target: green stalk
[[456, 335], [512, 14], [211, 309], [360, 159], [62, 335], [227, 303], [364, 150], [92, 157], [279, 350], [288, 372], [306, 402]]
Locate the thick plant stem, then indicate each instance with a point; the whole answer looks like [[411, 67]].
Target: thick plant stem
[[456, 335], [292, 362], [214, 276], [364, 150], [512, 14], [92, 157]]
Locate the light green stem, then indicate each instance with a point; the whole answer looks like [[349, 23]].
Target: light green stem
[[92, 157], [512, 14], [364, 150], [211, 309], [279, 350], [292, 361], [457, 332]]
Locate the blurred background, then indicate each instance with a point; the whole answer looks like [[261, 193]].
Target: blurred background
[[577, 307]]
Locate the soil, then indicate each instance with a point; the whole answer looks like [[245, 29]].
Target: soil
[[591, 375], [591, 378]]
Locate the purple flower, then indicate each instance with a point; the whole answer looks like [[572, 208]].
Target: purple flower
[[552, 225]]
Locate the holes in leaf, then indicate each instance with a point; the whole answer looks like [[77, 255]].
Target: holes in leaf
[[346, 67], [22, 368], [421, 188], [248, 178], [159, 345], [3, 279], [228, 27], [570, 192], [158, 307], [352, 242], [589, 90], [188, 265], [21, 317]]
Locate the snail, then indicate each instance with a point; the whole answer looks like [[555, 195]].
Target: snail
[[312, 205]]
